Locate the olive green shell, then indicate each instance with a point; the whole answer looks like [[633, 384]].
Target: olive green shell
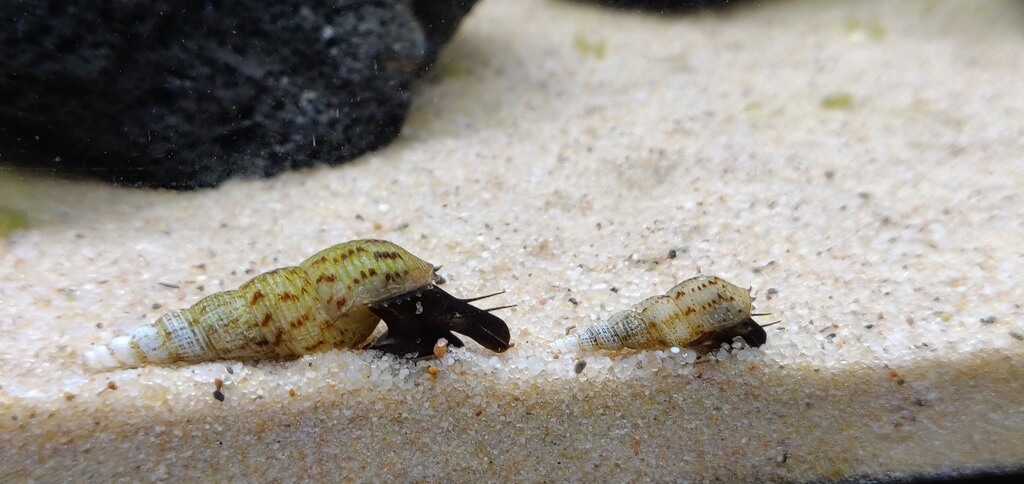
[[687, 313], [319, 305]]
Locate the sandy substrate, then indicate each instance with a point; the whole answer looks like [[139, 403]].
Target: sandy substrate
[[858, 164]]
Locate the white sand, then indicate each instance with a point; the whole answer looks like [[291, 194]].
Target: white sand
[[886, 232]]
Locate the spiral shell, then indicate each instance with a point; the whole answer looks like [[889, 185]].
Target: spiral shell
[[701, 313], [330, 300]]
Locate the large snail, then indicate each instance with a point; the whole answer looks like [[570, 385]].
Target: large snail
[[700, 313], [333, 299]]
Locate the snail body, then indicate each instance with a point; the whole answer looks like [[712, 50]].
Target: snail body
[[334, 299], [701, 313]]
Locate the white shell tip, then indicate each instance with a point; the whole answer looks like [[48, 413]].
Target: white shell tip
[[99, 358], [121, 349], [568, 344]]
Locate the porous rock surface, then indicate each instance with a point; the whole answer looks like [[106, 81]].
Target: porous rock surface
[[186, 94]]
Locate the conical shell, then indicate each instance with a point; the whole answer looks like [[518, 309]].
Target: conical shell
[[686, 313], [319, 305]]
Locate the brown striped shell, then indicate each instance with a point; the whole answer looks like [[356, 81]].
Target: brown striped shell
[[333, 299], [701, 313]]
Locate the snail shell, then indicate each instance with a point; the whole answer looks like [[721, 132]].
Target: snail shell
[[333, 299], [701, 313]]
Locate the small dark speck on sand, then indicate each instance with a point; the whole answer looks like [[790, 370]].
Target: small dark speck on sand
[[580, 365]]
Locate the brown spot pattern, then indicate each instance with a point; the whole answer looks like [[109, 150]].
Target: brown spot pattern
[[704, 307], [278, 337], [300, 321], [322, 278], [287, 297], [280, 308], [312, 348]]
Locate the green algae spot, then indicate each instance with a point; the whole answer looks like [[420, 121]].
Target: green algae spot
[[871, 29], [679, 64], [449, 69], [11, 220], [837, 100], [753, 107], [597, 49]]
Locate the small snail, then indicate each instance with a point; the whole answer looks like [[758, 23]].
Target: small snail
[[699, 313], [333, 299]]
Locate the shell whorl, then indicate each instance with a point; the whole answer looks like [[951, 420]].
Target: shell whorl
[[316, 306], [688, 311]]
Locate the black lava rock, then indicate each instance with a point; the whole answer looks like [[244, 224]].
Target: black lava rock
[[186, 93]]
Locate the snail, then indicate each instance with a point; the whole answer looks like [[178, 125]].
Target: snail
[[700, 313], [334, 299]]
